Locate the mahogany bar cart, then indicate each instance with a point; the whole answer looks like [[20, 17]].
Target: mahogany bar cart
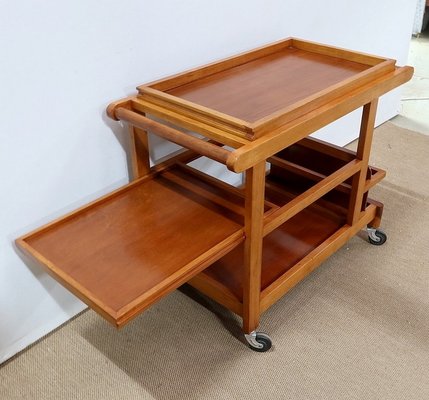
[[246, 246]]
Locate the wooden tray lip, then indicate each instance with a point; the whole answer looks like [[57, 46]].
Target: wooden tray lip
[[154, 92], [120, 317]]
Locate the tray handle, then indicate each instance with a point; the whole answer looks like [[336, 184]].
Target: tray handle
[[200, 146]]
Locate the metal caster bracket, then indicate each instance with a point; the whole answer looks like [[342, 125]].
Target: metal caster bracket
[[376, 236], [258, 341]]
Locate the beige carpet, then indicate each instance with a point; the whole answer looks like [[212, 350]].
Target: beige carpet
[[357, 328]]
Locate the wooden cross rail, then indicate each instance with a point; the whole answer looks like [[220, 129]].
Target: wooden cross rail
[[200, 146]]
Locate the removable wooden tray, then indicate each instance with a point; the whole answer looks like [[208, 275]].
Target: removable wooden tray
[[246, 94], [125, 251]]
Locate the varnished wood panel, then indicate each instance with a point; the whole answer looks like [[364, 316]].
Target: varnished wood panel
[[312, 260], [281, 137], [310, 196], [126, 246], [221, 65], [261, 87], [362, 153], [282, 249], [252, 258], [126, 251], [256, 95]]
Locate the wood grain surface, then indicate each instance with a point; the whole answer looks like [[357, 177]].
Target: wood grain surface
[[282, 249], [125, 246], [261, 87]]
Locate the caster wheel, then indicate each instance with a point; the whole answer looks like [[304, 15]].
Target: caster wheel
[[376, 237], [259, 341]]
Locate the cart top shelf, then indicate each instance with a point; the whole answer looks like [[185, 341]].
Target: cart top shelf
[[282, 81]]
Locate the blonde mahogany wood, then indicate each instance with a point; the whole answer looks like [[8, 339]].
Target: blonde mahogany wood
[[178, 278], [362, 153], [333, 51], [282, 249], [292, 208], [124, 103], [319, 98], [173, 224], [313, 160], [200, 146], [217, 291], [139, 152], [229, 96], [222, 281], [223, 121], [140, 243], [248, 94], [253, 226], [304, 172], [376, 222], [328, 149], [301, 245], [229, 92], [310, 175], [206, 127], [217, 66], [271, 143], [280, 194], [312, 260]]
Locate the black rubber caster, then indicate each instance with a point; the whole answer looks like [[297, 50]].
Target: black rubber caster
[[259, 342], [377, 237]]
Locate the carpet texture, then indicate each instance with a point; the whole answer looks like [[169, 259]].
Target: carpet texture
[[356, 328]]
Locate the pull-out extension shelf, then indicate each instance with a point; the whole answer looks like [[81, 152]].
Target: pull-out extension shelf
[[301, 199], [126, 250]]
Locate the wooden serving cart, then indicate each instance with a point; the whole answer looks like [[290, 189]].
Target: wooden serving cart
[[244, 247]]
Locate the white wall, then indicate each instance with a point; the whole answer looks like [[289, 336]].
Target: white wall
[[419, 16], [62, 62]]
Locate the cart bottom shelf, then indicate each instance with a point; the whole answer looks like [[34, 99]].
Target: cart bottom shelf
[[282, 249], [290, 253]]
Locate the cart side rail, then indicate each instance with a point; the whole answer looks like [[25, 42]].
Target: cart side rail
[[264, 147], [200, 146]]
